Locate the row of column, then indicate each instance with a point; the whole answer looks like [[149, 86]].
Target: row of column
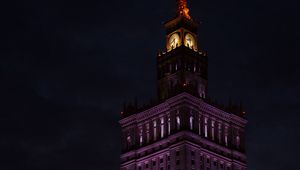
[[207, 127]]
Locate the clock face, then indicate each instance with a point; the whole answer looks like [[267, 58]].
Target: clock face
[[174, 41], [189, 41]]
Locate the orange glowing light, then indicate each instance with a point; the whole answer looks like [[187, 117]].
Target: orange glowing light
[[183, 9]]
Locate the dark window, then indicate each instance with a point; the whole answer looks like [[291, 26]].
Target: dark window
[[140, 168], [215, 163], [153, 163], [161, 168], [161, 160], [147, 166], [177, 153], [193, 162], [169, 167], [177, 162], [207, 160], [192, 153], [168, 157]]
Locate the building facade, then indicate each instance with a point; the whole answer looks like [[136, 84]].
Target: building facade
[[184, 129]]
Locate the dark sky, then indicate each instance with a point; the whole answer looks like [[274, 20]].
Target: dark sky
[[66, 66]]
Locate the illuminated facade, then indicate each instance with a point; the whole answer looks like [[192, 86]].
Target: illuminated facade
[[183, 130]]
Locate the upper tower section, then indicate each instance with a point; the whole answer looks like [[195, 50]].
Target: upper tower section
[[182, 67], [181, 30]]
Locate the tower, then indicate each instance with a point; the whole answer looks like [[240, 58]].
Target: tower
[[184, 129]]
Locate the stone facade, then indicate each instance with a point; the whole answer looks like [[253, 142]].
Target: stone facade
[[183, 133]]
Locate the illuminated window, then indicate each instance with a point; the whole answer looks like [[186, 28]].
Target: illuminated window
[[205, 127], [238, 141], [213, 130], [141, 137], [162, 129], [128, 142], [226, 136], [178, 122], [169, 126], [220, 132], [154, 129], [191, 122]]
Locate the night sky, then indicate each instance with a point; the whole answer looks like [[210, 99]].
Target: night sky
[[66, 67]]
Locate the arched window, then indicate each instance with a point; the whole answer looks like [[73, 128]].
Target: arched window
[[191, 122], [154, 129], [162, 129], [178, 122]]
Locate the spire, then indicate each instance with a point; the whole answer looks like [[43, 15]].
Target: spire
[[183, 9]]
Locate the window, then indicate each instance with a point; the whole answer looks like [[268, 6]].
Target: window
[[213, 130], [161, 160], [141, 137], [220, 132], [177, 153], [178, 122], [153, 162], [128, 142], [205, 128], [226, 136], [178, 162], [169, 126], [162, 129], [193, 162], [238, 142], [154, 129], [191, 122], [199, 123], [147, 131]]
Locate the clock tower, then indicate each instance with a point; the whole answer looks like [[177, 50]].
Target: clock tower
[[183, 129], [183, 67]]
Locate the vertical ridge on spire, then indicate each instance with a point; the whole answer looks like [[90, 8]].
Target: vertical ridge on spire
[[183, 9]]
